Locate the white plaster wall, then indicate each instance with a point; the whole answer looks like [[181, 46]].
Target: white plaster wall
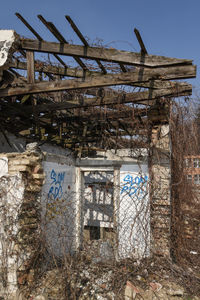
[[134, 212], [58, 207]]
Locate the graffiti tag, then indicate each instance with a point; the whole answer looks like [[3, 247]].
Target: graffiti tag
[[134, 186], [56, 185]]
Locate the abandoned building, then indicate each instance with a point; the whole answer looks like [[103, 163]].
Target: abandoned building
[[85, 149], [192, 169]]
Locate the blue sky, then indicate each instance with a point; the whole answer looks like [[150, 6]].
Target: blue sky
[[170, 27]]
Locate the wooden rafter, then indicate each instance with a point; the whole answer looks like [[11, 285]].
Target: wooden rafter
[[85, 43], [35, 33], [50, 26], [139, 38]]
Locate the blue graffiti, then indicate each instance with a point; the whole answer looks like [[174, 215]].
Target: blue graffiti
[[134, 186], [56, 186]]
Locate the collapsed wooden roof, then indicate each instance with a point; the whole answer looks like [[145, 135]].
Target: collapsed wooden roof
[[105, 99]]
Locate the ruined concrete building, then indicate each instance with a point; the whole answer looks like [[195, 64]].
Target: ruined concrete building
[[98, 178]]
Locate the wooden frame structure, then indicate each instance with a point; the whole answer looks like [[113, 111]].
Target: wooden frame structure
[[108, 100]]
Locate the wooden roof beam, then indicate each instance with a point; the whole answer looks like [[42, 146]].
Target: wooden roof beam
[[85, 43], [103, 117], [51, 27], [55, 70], [103, 80], [37, 35], [29, 26], [77, 73], [147, 98], [140, 41], [112, 55]]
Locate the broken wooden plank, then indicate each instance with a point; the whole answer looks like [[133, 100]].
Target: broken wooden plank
[[139, 75], [111, 55]]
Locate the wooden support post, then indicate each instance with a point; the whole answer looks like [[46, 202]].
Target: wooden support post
[[30, 67], [31, 79]]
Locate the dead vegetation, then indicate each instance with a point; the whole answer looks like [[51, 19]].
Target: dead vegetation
[[80, 278], [185, 193]]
